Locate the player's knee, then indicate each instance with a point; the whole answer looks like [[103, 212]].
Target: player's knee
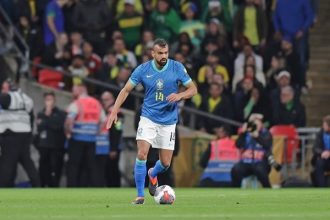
[[166, 164], [142, 155]]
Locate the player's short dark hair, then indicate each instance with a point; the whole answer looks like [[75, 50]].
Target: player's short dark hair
[[160, 42]]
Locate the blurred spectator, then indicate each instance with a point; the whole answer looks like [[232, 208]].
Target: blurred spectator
[[130, 24], [215, 103], [241, 58], [221, 10], [226, 54], [164, 21], [249, 73], [277, 65], [76, 43], [78, 69], [246, 70], [68, 10], [15, 135], [192, 26], [126, 57], [255, 144], [145, 44], [187, 50], [92, 61], [110, 67], [58, 54], [91, 17], [292, 63], [114, 135], [50, 141], [84, 115], [31, 10], [116, 34], [146, 56], [187, 64], [120, 81], [183, 42], [321, 150], [283, 79], [54, 21], [214, 30], [250, 22], [290, 111], [32, 36], [195, 102], [248, 102], [120, 6], [218, 159], [206, 72], [292, 20]]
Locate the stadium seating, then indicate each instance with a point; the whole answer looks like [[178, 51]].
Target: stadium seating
[[292, 140], [50, 78]]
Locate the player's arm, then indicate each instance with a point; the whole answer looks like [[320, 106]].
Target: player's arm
[[187, 94], [119, 101], [72, 113]]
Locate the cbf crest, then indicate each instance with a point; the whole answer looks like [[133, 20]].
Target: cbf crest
[[159, 96], [160, 84]]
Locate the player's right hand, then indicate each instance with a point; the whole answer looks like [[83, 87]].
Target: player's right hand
[[111, 119]]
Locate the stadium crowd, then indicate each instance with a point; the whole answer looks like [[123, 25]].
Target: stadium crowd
[[246, 56]]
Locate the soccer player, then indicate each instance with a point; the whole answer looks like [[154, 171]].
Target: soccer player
[[160, 78]]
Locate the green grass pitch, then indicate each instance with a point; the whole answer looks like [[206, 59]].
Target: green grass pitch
[[194, 203]]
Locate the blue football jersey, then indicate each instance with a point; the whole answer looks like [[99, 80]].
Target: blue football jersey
[[158, 84]]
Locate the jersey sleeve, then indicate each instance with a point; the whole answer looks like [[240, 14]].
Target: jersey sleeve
[[136, 76], [183, 75]]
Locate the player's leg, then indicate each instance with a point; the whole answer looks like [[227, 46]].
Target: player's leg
[[146, 134], [164, 162], [165, 141], [140, 169]]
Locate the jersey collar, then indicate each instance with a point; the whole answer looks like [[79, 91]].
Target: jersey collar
[[158, 70]]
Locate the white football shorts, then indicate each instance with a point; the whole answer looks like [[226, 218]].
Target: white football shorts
[[159, 136]]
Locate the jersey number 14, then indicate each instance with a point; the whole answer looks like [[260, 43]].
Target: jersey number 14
[[159, 96]]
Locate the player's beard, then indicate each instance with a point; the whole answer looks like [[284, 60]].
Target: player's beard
[[162, 62]]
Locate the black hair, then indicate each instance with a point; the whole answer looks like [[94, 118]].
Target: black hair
[[49, 93], [78, 56], [226, 129], [160, 42], [218, 85]]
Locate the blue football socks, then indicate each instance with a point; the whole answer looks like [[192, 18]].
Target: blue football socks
[[158, 168], [140, 172]]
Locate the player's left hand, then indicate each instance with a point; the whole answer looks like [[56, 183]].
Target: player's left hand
[[174, 97]]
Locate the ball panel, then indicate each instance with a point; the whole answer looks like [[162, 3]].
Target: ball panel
[[164, 195]]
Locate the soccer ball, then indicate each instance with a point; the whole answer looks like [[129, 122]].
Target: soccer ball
[[164, 195]]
